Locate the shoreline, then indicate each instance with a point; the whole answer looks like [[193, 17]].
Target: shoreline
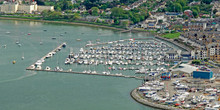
[[142, 101], [63, 22], [77, 23]]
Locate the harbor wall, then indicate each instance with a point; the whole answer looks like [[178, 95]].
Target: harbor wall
[[175, 43], [136, 96]]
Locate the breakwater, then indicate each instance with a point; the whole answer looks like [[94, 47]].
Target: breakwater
[[74, 72]]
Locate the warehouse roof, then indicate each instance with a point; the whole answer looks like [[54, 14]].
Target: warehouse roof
[[185, 68]]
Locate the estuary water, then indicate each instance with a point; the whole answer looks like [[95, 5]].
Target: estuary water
[[29, 90]]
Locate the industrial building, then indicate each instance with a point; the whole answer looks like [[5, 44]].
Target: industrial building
[[203, 74]]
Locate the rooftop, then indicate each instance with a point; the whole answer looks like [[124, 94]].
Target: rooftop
[[185, 68]]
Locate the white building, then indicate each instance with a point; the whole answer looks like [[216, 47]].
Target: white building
[[9, 7], [15, 7], [27, 8], [42, 8]]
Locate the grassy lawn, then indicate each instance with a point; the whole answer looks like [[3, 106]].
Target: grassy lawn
[[171, 35]]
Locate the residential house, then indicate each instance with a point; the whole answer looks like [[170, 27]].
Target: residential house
[[188, 13], [195, 3], [213, 50], [194, 26]]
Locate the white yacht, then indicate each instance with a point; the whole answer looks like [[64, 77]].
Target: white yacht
[[38, 67], [47, 68], [32, 67], [93, 72]]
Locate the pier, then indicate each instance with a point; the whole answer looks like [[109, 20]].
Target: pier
[[72, 72]]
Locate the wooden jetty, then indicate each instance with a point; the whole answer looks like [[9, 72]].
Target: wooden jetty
[[73, 72]]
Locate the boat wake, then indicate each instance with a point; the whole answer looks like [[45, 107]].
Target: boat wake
[[19, 78]]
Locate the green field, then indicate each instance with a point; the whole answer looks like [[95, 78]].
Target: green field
[[171, 35]]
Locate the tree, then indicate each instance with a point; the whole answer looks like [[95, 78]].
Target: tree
[[196, 8], [67, 5], [39, 2], [207, 1], [76, 16], [136, 18], [104, 7], [55, 15], [195, 13], [186, 8], [58, 9], [125, 24], [68, 11], [116, 21], [198, 62], [103, 14], [90, 3], [182, 2], [160, 21], [141, 18], [215, 11], [116, 12], [95, 11], [178, 7], [170, 6], [45, 13], [77, 5]]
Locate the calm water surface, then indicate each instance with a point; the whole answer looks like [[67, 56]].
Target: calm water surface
[[29, 90]]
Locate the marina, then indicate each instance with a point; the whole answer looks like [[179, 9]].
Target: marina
[[115, 57], [34, 67]]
